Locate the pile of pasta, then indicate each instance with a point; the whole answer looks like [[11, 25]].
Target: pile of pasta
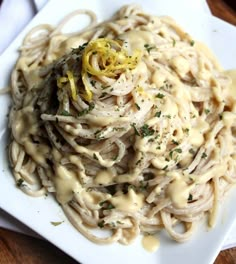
[[129, 123]]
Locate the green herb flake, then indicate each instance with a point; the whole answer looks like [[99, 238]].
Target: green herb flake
[[105, 87], [146, 131], [101, 224], [165, 167], [82, 47], [204, 155], [191, 151], [192, 42], [137, 106], [56, 223], [93, 82], [65, 113], [20, 182], [175, 142], [110, 206], [158, 114], [95, 156], [186, 130], [135, 129], [86, 110], [174, 42], [220, 116], [207, 111], [148, 47], [143, 186], [103, 95], [160, 96], [178, 150], [190, 198], [102, 203]]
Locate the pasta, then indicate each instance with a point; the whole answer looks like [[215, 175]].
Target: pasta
[[129, 122]]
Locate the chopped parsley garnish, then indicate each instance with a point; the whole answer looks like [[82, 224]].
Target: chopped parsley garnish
[[93, 82], [148, 47], [146, 131], [105, 86], [160, 96], [192, 42], [103, 95], [143, 186], [173, 42], [165, 167], [137, 106], [204, 155], [95, 156], [191, 151], [186, 130], [119, 129], [106, 205], [98, 134], [158, 114], [101, 224], [135, 129], [56, 223], [178, 150], [175, 142], [20, 182], [102, 203], [83, 46], [207, 111], [87, 110], [190, 198], [110, 206], [65, 113]]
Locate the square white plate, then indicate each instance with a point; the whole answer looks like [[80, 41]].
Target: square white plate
[[37, 213]]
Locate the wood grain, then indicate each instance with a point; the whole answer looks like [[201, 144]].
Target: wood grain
[[220, 9], [17, 248]]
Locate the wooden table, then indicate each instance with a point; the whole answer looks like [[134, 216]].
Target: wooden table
[[17, 248]]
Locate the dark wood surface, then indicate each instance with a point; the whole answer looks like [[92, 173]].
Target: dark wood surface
[[16, 248]]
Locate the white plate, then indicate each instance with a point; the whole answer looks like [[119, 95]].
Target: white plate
[[37, 213]]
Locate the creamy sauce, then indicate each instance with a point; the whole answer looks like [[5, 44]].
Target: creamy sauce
[[130, 202], [66, 184], [104, 177], [196, 137], [94, 197], [25, 125], [150, 243], [137, 39], [178, 191]]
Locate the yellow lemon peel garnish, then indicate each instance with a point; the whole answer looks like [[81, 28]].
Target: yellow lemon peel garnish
[[63, 80], [111, 56], [72, 85], [111, 59]]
